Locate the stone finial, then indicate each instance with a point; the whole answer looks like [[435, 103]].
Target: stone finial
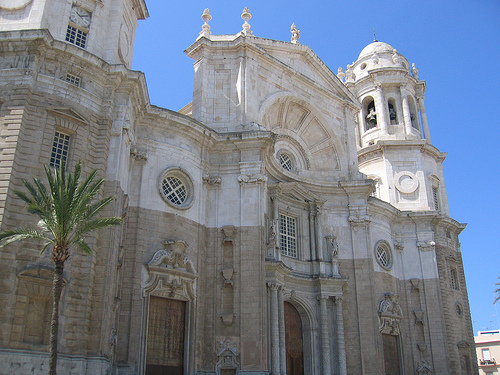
[[340, 73], [414, 71], [375, 58], [246, 26], [205, 29], [295, 34]]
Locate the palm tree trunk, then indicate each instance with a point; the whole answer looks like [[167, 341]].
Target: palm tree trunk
[[54, 324]]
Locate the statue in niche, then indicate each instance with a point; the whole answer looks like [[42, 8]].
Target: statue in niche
[[390, 315]]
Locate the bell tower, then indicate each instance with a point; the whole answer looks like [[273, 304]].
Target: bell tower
[[394, 143], [103, 28]]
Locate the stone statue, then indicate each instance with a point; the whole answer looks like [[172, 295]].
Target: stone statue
[[349, 74], [414, 71], [295, 34], [340, 73]]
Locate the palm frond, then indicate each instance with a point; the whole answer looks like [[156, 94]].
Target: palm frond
[[497, 293], [21, 234], [92, 225], [83, 246]]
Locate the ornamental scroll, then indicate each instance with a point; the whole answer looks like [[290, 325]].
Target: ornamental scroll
[[171, 273]]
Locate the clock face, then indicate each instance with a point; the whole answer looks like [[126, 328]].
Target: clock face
[[13, 4], [80, 16]]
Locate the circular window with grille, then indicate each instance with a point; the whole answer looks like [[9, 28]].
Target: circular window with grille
[[383, 254], [176, 188], [286, 161]]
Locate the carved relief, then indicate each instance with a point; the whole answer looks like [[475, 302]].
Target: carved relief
[[171, 272], [227, 355], [424, 368], [426, 245], [137, 154], [256, 178], [406, 182], [212, 181], [390, 315]]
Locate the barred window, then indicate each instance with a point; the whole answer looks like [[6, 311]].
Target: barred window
[[60, 148], [74, 80], [286, 161], [174, 190], [383, 255], [76, 36], [288, 235]]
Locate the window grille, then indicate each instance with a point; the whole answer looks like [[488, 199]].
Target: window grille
[[286, 162], [288, 235], [74, 80], [76, 36], [383, 255], [174, 189], [60, 147]]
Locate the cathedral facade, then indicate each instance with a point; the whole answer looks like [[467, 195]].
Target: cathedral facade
[[288, 221]]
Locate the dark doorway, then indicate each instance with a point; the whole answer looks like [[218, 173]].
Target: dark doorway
[[391, 355], [165, 351], [294, 342]]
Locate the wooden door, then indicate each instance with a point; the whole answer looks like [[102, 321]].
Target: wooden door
[[294, 342], [165, 350]]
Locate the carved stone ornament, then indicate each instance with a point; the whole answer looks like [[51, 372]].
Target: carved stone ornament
[[228, 231], [424, 368], [138, 154], [419, 316], [426, 245], [212, 181], [406, 182], [227, 275], [399, 245], [390, 315], [415, 284], [205, 29], [414, 71], [256, 178], [171, 273], [246, 26], [340, 73], [227, 356]]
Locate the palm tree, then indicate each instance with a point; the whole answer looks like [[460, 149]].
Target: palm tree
[[67, 212], [497, 292]]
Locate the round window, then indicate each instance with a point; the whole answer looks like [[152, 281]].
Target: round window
[[176, 188], [383, 255], [363, 66], [286, 161]]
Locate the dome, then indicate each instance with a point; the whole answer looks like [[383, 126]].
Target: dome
[[379, 47]]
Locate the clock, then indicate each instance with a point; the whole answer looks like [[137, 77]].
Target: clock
[[80, 16], [13, 4]]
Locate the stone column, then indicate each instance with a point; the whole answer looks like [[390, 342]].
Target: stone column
[[319, 235], [281, 308], [340, 336], [275, 218], [361, 125], [275, 335], [423, 115], [312, 235], [406, 111], [325, 336], [381, 108]]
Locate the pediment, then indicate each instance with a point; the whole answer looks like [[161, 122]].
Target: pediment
[[68, 113], [295, 192]]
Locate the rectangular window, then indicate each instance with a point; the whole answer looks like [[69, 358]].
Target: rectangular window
[[454, 279], [76, 36], [288, 235], [74, 80], [60, 147], [435, 197], [486, 354]]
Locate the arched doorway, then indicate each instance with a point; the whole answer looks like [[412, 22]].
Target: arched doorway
[[294, 341]]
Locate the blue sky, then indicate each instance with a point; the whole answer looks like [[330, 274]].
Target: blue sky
[[454, 44]]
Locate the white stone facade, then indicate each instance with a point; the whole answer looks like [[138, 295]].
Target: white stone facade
[[295, 220]]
